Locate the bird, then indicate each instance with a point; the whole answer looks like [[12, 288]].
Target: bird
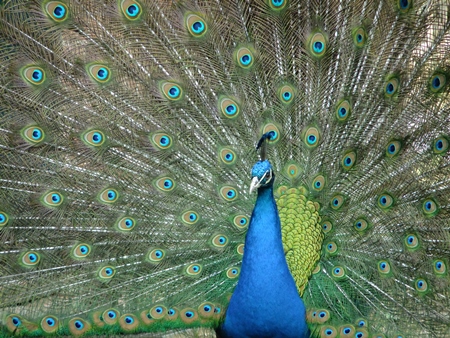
[[239, 168]]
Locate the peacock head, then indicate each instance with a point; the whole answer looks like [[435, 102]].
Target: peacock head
[[262, 175]]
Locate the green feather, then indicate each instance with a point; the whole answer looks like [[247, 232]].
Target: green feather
[[127, 133]]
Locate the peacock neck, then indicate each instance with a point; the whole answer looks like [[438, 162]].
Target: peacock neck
[[263, 244], [265, 288]]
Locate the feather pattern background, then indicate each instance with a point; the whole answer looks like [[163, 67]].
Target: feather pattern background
[[127, 135]]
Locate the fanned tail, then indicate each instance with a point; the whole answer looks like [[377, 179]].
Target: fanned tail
[[128, 129]]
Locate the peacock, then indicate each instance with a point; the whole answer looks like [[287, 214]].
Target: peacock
[[239, 168]]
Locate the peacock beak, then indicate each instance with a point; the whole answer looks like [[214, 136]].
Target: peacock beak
[[255, 184]]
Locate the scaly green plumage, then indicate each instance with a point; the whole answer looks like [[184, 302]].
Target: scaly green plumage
[[127, 133]]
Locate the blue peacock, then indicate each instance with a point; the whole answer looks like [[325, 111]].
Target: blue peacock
[[245, 168]]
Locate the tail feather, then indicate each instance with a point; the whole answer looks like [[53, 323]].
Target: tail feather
[[130, 138]]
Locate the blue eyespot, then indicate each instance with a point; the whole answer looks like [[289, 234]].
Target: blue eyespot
[[228, 193], [56, 198], [171, 312], [385, 201], [2, 218], [165, 184], [328, 332], [16, 321], [174, 92], [59, 12], [335, 202], [412, 242], [312, 139], [246, 59], [36, 134], [277, 3], [133, 10], [112, 314], [342, 112], [348, 161], [192, 217], [318, 46], [37, 75], [32, 257], [347, 330], [50, 322], [430, 207], [102, 73], [189, 314], [207, 308], [168, 184], [159, 309], [390, 88], [391, 148], [164, 141], [436, 82], [229, 157], [287, 96], [109, 271], [198, 27], [359, 335], [362, 323], [84, 249], [438, 265], [359, 37], [97, 137], [404, 4], [111, 195], [243, 221], [79, 324], [440, 145], [158, 253], [129, 320], [231, 109], [195, 268], [129, 223], [234, 271], [171, 91]]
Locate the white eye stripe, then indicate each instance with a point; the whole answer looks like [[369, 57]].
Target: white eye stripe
[[269, 175]]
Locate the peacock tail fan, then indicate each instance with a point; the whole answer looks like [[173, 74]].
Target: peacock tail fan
[[128, 129]]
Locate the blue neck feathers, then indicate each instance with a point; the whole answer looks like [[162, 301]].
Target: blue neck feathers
[[265, 302]]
